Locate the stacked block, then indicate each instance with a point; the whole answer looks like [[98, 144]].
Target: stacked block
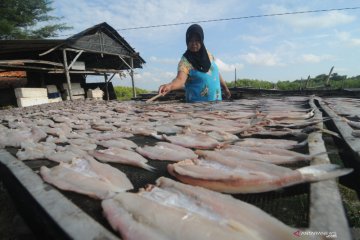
[[76, 89], [96, 94], [31, 96], [53, 94]]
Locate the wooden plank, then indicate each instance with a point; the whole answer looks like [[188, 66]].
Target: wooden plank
[[344, 129], [22, 68], [326, 210], [71, 219], [22, 61]]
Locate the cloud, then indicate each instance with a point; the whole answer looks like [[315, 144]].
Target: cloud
[[312, 58], [355, 41], [346, 37], [137, 13], [224, 67], [255, 39], [262, 58], [309, 20], [170, 61]]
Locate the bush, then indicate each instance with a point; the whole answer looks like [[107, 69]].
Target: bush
[[336, 81], [125, 93]]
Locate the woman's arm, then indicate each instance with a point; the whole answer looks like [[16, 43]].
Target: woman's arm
[[224, 86], [177, 83]]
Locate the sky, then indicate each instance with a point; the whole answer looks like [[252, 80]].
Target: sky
[[278, 48]]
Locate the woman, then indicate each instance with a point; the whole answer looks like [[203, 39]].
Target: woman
[[197, 71]]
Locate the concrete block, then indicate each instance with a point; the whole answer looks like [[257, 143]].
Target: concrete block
[[31, 92], [73, 86], [75, 91], [26, 102], [53, 100], [75, 97], [54, 95], [52, 89], [95, 93]]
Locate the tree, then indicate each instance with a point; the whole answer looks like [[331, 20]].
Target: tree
[[20, 19], [337, 77]]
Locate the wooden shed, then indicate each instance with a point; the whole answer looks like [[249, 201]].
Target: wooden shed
[[98, 50]]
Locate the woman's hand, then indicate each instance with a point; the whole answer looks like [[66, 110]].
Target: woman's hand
[[224, 87], [175, 84], [165, 89], [227, 93]]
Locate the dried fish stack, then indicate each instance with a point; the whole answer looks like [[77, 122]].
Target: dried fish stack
[[101, 148]]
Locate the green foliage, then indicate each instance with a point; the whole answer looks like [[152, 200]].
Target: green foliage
[[287, 85], [125, 93], [250, 83], [336, 81], [18, 19]]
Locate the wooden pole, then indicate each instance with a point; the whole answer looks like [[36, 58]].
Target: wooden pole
[[106, 87], [132, 77], [67, 75], [307, 82], [235, 78], [327, 83]]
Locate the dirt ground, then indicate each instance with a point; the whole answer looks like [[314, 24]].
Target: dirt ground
[[12, 226]]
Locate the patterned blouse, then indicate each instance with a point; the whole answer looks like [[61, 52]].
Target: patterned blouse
[[201, 86]]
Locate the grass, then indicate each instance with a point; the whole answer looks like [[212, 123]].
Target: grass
[[351, 205]]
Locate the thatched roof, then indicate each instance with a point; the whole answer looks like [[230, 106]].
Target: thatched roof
[[102, 47]]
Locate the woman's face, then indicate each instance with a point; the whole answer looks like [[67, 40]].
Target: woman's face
[[194, 44]]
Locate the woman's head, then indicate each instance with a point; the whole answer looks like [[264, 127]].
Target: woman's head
[[196, 52], [194, 38]]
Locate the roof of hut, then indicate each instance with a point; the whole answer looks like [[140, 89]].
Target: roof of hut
[[102, 50]]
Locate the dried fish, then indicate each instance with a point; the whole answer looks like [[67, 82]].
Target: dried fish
[[268, 142], [356, 133], [118, 143], [166, 151], [289, 115], [232, 176], [192, 208], [87, 176], [109, 135], [31, 150], [118, 155], [353, 124], [193, 140], [269, 155], [14, 137]]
